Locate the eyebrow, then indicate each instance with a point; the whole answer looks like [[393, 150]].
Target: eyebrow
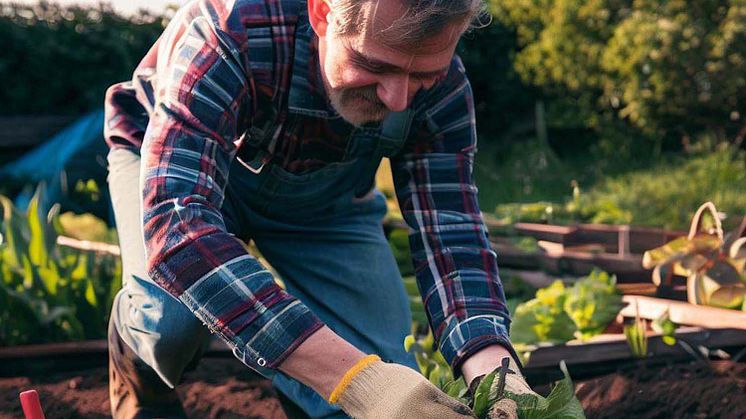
[[370, 62]]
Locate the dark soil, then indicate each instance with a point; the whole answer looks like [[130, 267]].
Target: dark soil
[[694, 390], [224, 388], [218, 388]]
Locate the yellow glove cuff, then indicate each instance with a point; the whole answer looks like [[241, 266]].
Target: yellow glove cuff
[[349, 375]]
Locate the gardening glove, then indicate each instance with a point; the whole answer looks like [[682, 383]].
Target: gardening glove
[[513, 383], [373, 389]]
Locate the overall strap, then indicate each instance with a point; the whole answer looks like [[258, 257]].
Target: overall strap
[[395, 131], [270, 87]]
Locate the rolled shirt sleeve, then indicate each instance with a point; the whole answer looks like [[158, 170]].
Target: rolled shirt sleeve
[[456, 268], [200, 88]]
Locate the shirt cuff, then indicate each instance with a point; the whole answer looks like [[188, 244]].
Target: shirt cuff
[[462, 339]]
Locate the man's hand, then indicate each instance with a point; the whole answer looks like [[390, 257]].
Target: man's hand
[[365, 387], [486, 361], [373, 389]]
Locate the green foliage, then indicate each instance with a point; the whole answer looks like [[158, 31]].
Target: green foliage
[[62, 59], [579, 208], [592, 303], [48, 292], [543, 319], [666, 328], [87, 227], [500, 97], [558, 314], [670, 68], [664, 195], [399, 242], [636, 337], [560, 403]]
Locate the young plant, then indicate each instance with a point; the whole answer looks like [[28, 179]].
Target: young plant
[[49, 292], [713, 264], [636, 337], [558, 313], [486, 398], [666, 328]]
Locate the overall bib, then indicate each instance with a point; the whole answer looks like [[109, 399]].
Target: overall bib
[[321, 232]]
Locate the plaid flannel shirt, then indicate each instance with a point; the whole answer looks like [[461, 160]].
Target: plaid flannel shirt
[[213, 71]]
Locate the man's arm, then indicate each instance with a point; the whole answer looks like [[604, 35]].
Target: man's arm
[[455, 266], [201, 90]]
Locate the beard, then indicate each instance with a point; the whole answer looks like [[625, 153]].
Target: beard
[[359, 105]]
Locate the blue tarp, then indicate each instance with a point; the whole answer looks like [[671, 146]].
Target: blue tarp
[[47, 160], [78, 152]]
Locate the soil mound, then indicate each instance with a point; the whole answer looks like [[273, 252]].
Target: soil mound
[[693, 390], [218, 388]]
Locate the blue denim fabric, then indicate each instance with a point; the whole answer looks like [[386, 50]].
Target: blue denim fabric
[[321, 232]]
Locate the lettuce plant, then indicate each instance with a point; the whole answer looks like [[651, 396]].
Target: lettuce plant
[[558, 313]]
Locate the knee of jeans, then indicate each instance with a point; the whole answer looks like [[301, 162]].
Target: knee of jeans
[[159, 320]]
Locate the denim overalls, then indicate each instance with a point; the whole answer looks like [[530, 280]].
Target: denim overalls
[[320, 231]]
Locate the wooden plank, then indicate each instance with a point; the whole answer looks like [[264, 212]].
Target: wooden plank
[[53, 349], [610, 348], [98, 247], [684, 313], [548, 232]]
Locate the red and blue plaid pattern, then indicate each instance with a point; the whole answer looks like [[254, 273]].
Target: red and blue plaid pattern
[[213, 73]]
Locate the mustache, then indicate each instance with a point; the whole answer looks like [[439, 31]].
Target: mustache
[[367, 93]]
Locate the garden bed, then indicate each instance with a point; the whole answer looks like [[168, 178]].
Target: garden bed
[[224, 388], [691, 390], [218, 388]]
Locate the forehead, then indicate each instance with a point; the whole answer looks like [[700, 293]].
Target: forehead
[[433, 52]]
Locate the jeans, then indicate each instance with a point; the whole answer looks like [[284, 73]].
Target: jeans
[[329, 251]]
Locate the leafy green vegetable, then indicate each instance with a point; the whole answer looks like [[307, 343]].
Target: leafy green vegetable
[[593, 302], [481, 402], [543, 319], [561, 402], [557, 314]]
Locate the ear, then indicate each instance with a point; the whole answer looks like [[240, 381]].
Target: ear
[[318, 15]]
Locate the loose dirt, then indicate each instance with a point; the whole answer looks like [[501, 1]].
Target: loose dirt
[[218, 388], [694, 390], [224, 388]]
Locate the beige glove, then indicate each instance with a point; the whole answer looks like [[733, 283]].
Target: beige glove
[[373, 389], [514, 383]]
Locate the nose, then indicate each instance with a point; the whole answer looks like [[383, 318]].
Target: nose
[[393, 91]]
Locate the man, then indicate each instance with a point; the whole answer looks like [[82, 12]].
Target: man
[[265, 120]]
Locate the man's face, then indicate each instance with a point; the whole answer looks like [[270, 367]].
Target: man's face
[[365, 78]]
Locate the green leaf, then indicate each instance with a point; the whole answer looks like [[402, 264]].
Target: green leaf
[[593, 302], [408, 342], [561, 402], [482, 395], [543, 319]]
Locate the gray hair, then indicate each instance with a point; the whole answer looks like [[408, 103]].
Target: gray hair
[[421, 19]]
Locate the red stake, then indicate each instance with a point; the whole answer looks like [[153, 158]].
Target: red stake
[[31, 405]]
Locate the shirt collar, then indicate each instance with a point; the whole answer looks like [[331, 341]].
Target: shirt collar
[[307, 94]]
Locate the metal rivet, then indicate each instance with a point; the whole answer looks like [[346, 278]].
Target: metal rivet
[[261, 362]]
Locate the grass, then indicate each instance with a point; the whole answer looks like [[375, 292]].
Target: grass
[[664, 193]]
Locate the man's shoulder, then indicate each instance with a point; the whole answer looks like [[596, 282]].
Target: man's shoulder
[[235, 18], [250, 13]]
